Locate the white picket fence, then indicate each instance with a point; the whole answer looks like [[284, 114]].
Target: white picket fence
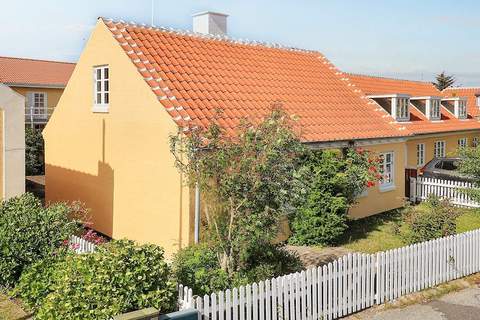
[[344, 286], [421, 188], [80, 245]]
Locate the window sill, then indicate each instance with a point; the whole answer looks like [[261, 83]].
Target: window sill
[[100, 108], [386, 188]]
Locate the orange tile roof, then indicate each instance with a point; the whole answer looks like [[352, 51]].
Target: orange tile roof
[[19, 71], [419, 124], [470, 93], [195, 75]]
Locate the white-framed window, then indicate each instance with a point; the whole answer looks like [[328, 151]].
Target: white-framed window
[[462, 142], [36, 105], [420, 154], [475, 142], [462, 109], [101, 88], [478, 101], [402, 108], [387, 170], [435, 109], [439, 149]]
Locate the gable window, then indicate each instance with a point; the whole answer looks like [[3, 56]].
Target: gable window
[[462, 143], [386, 169], [101, 88], [478, 101], [36, 105], [420, 154], [402, 108], [439, 149], [474, 142], [435, 109]]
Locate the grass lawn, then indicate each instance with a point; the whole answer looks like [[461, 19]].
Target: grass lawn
[[380, 233], [10, 310]]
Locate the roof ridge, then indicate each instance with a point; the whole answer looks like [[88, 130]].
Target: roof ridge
[[387, 78], [226, 38], [456, 88], [36, 60]]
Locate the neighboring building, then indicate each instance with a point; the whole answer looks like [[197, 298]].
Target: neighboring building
[[40, 82], [12, 143], [107, 144]]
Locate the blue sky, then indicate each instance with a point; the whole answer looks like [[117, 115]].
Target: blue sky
[[403, 38]]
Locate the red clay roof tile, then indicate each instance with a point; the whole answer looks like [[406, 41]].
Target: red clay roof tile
[[20, 71], [247, 79]]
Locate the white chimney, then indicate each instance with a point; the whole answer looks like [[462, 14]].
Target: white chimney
[[208, 22]]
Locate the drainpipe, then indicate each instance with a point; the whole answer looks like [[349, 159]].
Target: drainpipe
[[197, 214]]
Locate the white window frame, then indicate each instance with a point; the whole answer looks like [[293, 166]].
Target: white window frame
[[101, 88], [390, 184], [435, 109], [34, 112], [439, 148], [475, 142], [462, 142], [402, 110], [420, 154], [478, 101], [462, 109]]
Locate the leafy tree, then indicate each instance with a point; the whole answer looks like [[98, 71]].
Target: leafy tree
[[443, 81], [470, 166], [248, 180], [34, 152], [335, 182]]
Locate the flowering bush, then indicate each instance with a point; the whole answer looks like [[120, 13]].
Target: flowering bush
[[334, 181], [118, 277], [30, 232]]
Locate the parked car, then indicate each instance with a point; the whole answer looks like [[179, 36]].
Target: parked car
[[443, 168]]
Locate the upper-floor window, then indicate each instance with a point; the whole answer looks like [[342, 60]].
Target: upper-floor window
[[439, 149], [386, 168], [101, 88], [462, 109], [478, 100], [435, 109], [36, 105], [462, 143], [402, 108], [420, 154]]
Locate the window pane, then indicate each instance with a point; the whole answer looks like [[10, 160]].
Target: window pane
[[99, 86], [105, 73], [106, 97], [105, 85], [99, 98]]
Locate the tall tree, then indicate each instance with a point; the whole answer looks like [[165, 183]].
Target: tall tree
[[443, 81]]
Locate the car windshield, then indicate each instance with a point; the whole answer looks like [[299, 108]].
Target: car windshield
[[450, 165]]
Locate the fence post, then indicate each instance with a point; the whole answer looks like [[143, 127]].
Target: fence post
[[413, 189]]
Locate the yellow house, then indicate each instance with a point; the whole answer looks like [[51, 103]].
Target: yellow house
[[107, 143], [41, 82]]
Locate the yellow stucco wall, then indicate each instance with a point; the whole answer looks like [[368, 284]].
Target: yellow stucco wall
[[376, 200], [53, 94], [451, 145], [118, 163]]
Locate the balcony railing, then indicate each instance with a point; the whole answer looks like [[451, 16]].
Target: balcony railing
[[37, 115]]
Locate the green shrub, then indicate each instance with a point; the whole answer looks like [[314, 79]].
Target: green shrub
[[38, 279], [34, 152], [30, 232], [432, 219], [197, 267], [118, 277], [334, 181]]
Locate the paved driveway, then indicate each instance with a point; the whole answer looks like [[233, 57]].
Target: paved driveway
[[461, 305]]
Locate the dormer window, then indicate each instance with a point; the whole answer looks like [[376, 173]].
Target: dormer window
[[429, 105], [434, 109], [457, 106], [397, 105]]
